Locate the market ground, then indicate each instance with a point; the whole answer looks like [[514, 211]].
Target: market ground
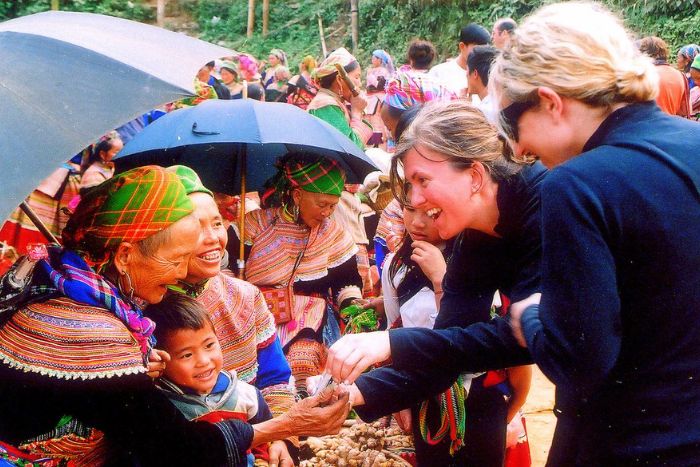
[[539, 417]]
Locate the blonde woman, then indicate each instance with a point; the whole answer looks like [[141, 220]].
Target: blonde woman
[[617, 329]]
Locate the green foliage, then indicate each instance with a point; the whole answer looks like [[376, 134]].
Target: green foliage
[[130, 9]]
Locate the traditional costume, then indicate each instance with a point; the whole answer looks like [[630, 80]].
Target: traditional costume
[[317, 264], [331, 108], [74, 349]]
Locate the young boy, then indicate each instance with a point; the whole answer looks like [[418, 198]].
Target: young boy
[[193, 379]]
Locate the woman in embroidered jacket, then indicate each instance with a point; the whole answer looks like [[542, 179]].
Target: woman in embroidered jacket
[[299, 230], [76, 352], [333, 97]]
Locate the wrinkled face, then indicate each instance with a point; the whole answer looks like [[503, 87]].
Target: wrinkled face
[[196, 358], [441, 191], [205, 262], [273, 60], [117, 146], [314, 208], [150, 275], [226, 76], [420, 226]]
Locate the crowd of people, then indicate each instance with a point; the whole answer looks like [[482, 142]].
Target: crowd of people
[[536, 203]]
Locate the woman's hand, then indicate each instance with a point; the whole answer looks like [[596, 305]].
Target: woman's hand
[[354, 353], [431, 261], [279, 455], [157, 362], [404, 420], [516, 311], [322, 414], [357, 105]]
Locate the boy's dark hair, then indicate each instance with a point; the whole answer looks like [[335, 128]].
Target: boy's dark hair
[[176, 312], [473, 33], [421, 53], [480, 59]]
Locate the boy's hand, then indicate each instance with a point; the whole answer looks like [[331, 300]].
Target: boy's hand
[[157, 362], [279, 455]]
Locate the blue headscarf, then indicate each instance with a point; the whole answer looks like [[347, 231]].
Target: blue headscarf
[[689, 51], [386, 60]]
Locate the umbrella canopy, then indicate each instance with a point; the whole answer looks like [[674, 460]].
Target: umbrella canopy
[[211, 137], [68, 78]]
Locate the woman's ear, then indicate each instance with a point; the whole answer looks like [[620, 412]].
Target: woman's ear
[[124, 256], [550, 101], [296, 196], [478, 173]]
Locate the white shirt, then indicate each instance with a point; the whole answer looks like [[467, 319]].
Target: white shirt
[[451, 75], [419, 311]]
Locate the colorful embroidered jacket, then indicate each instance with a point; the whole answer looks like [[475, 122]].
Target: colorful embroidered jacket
[[62, 360], [328, 263], [246, 331]]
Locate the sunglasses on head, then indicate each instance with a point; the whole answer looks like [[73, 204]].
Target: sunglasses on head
[[511, 114]]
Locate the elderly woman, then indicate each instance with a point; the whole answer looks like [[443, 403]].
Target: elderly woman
[[620, 250], [74, 345], [335, 94], [302, 260], [242, 322]]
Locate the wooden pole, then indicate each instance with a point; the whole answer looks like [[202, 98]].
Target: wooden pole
[[38, 223], [266, 17], [251, 18], [54, 5], [323, 37], [354, 24], [160, 13], [241, 215]]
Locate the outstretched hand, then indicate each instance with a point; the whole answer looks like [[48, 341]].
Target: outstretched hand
[[354, 353], [322, 414]]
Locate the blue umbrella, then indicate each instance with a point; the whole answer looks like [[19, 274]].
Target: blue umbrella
[[68, 78], [212, 137], [220, 139]]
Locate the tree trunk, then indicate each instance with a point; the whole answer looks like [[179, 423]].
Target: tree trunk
[[160, 13], [354, 9], [266, 17], [323, 37], [54, 5], [251, 18]]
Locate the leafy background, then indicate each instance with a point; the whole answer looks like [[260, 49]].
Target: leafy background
[[384, 24]]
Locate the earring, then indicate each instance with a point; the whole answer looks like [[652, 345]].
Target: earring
[[295, 212], [130, 293]]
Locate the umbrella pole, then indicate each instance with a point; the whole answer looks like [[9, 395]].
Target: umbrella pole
[[37, 222], [241, 216]]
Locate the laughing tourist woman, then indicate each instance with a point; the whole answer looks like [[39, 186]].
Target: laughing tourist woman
[[617, 328], [74, 347]]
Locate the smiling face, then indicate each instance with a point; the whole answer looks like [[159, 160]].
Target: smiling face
[[205, 262], [196, 358], [420, 226], [440, 190], [314, 208], [150, 275]]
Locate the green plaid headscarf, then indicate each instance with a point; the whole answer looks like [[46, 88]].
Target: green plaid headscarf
[[190, 179], [323, 176], [126, 208]]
